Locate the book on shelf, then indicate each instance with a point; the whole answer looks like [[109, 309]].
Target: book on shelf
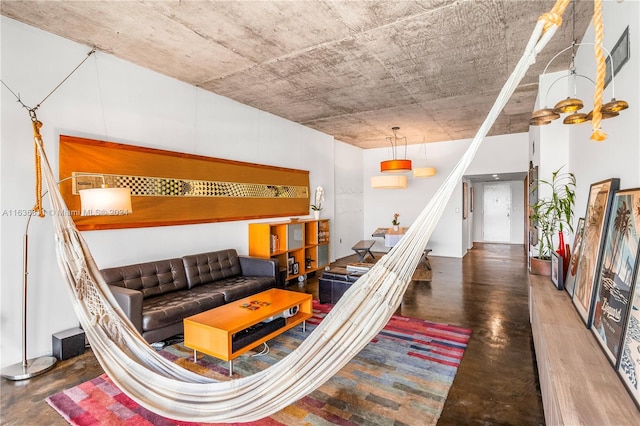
[[275, 243]]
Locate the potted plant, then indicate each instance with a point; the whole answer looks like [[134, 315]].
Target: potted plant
[[319, 198], [395, 222], [550, 215]]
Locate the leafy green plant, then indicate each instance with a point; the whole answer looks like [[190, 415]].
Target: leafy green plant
[[554, 213]]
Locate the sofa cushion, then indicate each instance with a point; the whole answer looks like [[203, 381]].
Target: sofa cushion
[[205, 268], [151, 278], [173, 307], [235, 288]]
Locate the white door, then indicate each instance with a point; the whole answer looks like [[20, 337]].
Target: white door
[[496, 202]]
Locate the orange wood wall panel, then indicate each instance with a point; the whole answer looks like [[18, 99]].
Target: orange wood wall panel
[[92, 156]]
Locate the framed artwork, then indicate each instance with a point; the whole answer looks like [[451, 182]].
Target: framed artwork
[[595, 222], [629, 364], [557, 269], [471, 199], [465, 200], [615, 280], [171, 188], [570, 279]]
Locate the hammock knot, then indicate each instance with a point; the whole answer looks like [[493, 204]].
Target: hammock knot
[[598, 135], [550, 19]]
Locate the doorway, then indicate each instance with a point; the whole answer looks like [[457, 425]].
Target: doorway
[[496, 203]]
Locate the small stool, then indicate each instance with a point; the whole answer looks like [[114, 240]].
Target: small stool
[[362, 248], [425, 258]]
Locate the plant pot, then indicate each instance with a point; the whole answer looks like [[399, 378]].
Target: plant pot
[[316, 214], [396, 227], [540, 266]]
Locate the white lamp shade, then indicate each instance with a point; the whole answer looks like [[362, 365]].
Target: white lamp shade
[[389, 181], [422, 172], [105, 201]]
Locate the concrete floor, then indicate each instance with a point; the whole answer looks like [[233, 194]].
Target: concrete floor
[[486, 291]]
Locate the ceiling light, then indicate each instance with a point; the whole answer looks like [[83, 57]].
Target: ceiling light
[[395, 165], [614, 106], [389, 182], [568, 105], [426, 171], [605, 115], [422, 172], [575, 118], [572, 104]]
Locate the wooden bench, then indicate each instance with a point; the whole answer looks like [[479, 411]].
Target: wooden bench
[[362, 248]]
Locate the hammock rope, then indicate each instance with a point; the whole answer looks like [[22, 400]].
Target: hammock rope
[[598, 135], [171, 391]]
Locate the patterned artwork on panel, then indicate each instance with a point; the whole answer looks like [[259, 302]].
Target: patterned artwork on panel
[[144, 186], [613, 286]]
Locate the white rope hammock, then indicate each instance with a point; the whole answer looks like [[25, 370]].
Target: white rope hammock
[[169, 390]]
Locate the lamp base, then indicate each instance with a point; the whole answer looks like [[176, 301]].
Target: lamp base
[[34, 367]]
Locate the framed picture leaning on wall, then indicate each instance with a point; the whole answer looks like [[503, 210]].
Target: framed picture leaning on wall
[[615, 280], [596, 217], [556, 270], [570, 279], [629, 364]]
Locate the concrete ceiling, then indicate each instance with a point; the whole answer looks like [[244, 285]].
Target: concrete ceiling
[[351, 69]]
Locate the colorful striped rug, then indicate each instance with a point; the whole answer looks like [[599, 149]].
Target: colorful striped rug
[[402, 377]]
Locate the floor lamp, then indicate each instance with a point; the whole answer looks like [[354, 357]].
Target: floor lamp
[[94, 202]]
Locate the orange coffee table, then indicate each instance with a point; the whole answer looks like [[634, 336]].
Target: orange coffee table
[[216, 331]]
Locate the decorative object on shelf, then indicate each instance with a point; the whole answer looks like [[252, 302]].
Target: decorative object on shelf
[[613, 287], [396, 165], [389, 182], [572, 105], [561, 249], [100, 201], [556, 270], [552, 213], [395, 222], [595, 222], [572, 267], [317, 206]]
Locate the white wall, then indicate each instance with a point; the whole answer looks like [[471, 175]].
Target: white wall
[[110, 99], [497, 154], [348, 199]]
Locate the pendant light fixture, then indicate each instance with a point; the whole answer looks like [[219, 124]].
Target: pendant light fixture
[[396, 165], [572, 105], [427, 171], [389, 182]]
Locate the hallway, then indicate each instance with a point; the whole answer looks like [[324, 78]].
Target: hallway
[[485, 291]]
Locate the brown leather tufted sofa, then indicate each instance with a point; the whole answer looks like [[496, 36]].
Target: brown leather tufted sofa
[[157, 296]]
